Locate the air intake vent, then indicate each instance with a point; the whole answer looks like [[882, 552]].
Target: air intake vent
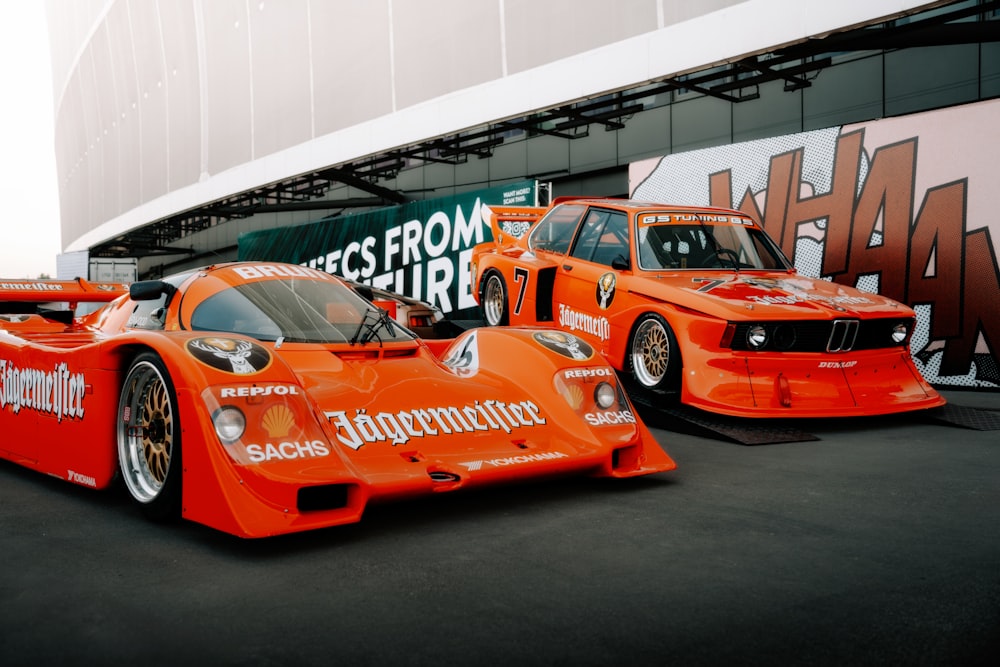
[[326, 497], [442, 477]]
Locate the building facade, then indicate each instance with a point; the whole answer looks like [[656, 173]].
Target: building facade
[[181, 125]]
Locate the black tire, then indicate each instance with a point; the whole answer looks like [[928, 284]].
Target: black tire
[[494, 300], [149, 438], [654, 359]]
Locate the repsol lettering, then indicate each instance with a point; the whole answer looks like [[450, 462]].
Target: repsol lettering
[[255, 391], [588, 373]]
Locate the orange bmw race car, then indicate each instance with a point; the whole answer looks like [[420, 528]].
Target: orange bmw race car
[[261, 398], [700, 304]]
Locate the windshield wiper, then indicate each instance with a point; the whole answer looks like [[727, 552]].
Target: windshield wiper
[[368, 328], [719, 250]]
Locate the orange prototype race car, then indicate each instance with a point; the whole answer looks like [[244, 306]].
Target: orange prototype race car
[[700, 304], [262, 398]]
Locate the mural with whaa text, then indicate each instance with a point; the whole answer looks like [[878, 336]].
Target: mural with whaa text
[[907, 207]]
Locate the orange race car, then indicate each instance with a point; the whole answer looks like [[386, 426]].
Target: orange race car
[[698, 303], [297, 401]]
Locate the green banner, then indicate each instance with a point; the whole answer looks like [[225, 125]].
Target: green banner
[[421, 249]]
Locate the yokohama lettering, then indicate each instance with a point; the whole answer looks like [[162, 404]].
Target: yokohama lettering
[[80, 478], [400, 427], [57, 392], [514, 460]]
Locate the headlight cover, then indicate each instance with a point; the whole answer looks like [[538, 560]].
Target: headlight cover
[[757, 337], [230, 423], [605, 395]]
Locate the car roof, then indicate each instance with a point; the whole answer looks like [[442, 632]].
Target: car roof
[[637, 205]]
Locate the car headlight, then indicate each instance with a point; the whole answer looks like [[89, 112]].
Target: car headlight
[[899, 332], [605, 395], [757, 337], [229, 423]]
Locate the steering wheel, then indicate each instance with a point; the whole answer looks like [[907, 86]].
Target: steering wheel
[[731, 254]]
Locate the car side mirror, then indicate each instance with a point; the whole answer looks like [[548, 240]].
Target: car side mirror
[[149, 290], [620, 263]]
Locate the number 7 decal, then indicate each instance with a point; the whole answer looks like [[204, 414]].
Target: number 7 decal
[[520, 277], [709, 284]]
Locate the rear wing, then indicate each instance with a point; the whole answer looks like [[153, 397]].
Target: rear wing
[[510, 223], [54, 298]]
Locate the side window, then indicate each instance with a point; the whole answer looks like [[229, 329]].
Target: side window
[[148, 314], [603, 237], [614, 241], [590, 234], [555, 231]]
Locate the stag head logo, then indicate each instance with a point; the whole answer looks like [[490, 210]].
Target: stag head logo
[[242, 357]]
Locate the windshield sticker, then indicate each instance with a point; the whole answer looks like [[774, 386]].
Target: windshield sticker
[[400, 427], [606, 290], [57, 392], [254, 271], [660, 218], [574, 320], [565, 344], [241, 357]]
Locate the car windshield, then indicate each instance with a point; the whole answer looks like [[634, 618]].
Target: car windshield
[[296, 311], [707, 246]]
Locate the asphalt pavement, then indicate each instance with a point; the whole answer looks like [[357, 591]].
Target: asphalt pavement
[[878, 542]]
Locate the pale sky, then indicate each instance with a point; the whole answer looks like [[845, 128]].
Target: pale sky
[[29, 191]]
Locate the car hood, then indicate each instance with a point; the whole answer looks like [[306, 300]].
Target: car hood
[[763, 295], [380, 408]]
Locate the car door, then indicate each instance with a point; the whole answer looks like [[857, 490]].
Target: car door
[[584, 294]]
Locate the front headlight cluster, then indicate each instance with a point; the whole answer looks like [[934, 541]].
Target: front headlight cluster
[[838, 335], [264, 422], [595, 394]]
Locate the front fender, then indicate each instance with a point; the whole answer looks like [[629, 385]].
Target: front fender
[[562, 372]]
